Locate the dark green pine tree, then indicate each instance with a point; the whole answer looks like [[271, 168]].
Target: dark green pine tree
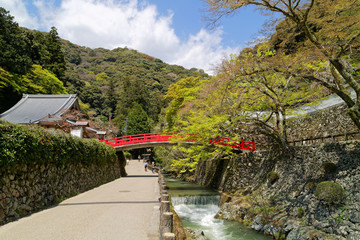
[[55, 58], [14, 55], [111, 98], [138, 121], [133, 90]]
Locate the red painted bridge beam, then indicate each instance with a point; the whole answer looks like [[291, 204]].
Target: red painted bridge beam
[[165, 137]]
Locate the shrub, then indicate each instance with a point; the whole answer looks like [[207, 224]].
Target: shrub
[[127, 155], [330, 192], [329, 167], [301, 212], [32, 144], [273, 177]]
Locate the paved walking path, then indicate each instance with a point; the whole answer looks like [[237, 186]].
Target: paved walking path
[[125, 209]]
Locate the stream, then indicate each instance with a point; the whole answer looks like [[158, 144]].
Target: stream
[[197, 206]]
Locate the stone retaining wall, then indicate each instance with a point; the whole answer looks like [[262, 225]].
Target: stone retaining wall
[[323, 123], [30, 188], [252, 196]]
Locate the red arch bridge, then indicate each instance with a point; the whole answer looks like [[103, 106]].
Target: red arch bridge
[[164, 139]]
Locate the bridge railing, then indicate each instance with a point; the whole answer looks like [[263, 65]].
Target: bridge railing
[[244, 145], [168, 137], [143, 138]]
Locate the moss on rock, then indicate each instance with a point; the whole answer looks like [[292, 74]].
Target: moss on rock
[[330, 192], [273, 177]]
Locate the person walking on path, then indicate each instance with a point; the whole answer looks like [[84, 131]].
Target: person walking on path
[[146, 166], [153, 167]]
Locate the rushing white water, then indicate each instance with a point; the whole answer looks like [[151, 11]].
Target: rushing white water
[[198, 212]]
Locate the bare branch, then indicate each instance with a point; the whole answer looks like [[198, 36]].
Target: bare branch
[[347, 99], [308, 10]]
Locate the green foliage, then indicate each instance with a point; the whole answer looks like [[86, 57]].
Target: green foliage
[[162, 156], [54, 60], [138, 121], [273, 177], [318, 39], [187, 158], [330, 192], [37, 80], [22, 48], [110, 82], [180, 93], [120, 78], [15, 56], [301, 212], [28, 62], [93, 96], [5, 78], [40, 81], [127, 155], [27, 145], [343, 215], [280, 236]]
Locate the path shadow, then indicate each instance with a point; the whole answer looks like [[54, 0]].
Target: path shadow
[[150, 176], [106, 203]]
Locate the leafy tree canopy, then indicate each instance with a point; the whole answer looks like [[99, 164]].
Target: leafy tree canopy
[[30, 62], [326, 35], [120, 78], [14, 55], [315, 44]]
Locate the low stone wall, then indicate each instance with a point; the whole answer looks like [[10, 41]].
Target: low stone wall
[[329, 122], [288, 208], [29, 188]]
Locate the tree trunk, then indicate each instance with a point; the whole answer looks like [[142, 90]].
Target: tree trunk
[[354, 113], [283, 133]]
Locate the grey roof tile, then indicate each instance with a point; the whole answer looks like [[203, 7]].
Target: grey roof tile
[[32, 108]]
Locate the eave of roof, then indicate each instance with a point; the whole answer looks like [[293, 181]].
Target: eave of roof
[[32, 108]]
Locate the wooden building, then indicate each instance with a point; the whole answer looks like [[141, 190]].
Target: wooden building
[[54, 112]]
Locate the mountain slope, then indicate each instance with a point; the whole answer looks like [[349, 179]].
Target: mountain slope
[[112, 81]]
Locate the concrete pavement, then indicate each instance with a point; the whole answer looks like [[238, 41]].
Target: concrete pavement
[[125, 209]]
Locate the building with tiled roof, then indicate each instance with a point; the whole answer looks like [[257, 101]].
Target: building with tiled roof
[[33, 108], [52, 111]]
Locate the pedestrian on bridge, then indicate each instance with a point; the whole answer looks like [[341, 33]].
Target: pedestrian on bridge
[[139, 158]]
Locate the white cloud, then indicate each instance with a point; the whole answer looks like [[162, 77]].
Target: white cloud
[[203, 50], [110, 24], [17, 9]]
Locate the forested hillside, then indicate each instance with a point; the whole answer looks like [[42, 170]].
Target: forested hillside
[[30, 62], [111, 84]]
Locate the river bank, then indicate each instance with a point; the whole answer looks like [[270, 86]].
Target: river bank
[[282, 195], [195, 208]]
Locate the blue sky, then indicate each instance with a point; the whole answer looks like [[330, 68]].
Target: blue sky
[[172, 30]]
